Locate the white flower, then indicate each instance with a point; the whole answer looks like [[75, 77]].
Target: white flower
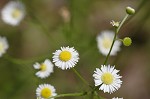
[[104, 41], [107, 78], [46, 68], [65, 58], [3, 45], [117, 98], [45, 91], [13, 13]]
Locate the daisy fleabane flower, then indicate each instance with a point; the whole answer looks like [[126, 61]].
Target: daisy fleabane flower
[[104, 42], [13, 12], [45, 91], [117, 98], [3, 45], [66, 57], [107, 78], [45, 68]]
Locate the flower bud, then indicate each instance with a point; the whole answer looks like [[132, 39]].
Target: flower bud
[[65, 14], [114, 24], [130, 10], [127, 41]]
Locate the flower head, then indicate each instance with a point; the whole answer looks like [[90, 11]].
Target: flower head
[[104, 41], [107, 78], [66, 57], [117, 98], [45, 91], [3, 45], [13, 13], [45, 68]]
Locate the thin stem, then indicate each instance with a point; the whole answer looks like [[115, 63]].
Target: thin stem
[[24, 61], [119, 39], [116, 32], [122, 22], [96, 94], [82, 79], [69, 95], [110, 49]]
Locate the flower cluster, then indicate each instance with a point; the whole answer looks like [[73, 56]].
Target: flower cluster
[[12, 13], [65, 58], [106, 77]]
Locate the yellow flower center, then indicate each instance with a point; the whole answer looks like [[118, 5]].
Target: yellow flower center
[[65, 56], [107, 43], [16, 13], [107, 78], [46, 92], [43, 67], [1, 47]]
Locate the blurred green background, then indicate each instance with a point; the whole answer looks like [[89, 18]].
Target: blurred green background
[[50, 24]]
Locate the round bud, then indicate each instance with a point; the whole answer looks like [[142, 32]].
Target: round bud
[[127, 41], [130, 10]]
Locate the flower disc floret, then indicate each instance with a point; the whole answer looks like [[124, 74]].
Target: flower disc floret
[[107, 78], [16, 13], [46, 92], [65, 56], [43, 67], [107, 43]]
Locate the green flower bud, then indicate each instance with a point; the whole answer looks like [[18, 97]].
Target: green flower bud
[[130, 10], [127, 41]]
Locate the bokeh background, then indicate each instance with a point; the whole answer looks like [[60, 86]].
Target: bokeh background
[[50, 24]]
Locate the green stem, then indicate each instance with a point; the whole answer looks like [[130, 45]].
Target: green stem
[[24, 61], [82, 79], [69, 95], [122, 22], [116, 32], [96, 95], [110, 49]]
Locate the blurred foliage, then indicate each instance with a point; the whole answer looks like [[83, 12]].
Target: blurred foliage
[[44, 30]]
